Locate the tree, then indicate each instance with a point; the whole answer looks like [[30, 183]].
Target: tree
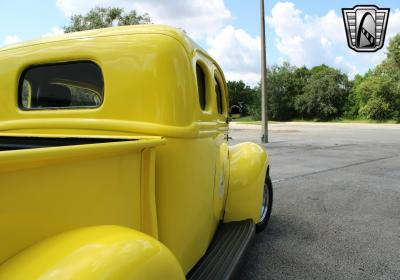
[[374, 93], [378, 93], [352, 105], [325, 94], [255, 107], [105, 17], [393, 55], [284, 84], [241, 95]]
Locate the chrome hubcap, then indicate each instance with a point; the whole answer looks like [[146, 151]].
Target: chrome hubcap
[[264, 207]]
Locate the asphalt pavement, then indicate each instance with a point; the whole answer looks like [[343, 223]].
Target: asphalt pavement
[[336, 211]]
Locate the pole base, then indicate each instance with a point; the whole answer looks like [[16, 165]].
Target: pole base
[[264, 138]]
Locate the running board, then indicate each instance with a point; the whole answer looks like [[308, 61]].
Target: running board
[[225, 252]]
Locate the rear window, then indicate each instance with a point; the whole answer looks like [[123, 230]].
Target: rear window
[[218, 92], [61, 86], [201, 86]]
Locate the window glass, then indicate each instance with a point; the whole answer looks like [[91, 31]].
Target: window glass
[[218, 92], [201, 86], [63, 85]]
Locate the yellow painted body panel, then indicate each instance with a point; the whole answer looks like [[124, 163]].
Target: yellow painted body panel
[[47, 191], [104, 252], [248, 166], [141, 67], [175, 192], [185, 196]]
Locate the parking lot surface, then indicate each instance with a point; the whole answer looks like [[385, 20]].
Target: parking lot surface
[[336, 211]]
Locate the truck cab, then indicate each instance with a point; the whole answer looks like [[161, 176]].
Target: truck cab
[[114, 160]]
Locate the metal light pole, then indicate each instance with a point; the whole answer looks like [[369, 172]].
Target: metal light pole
[[264, 100]]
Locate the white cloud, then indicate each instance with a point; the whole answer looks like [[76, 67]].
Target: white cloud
[[11, 39], [54, 32], [346, 66], [238, 53], [234, 49], [199, 18], [303, 39], [338, 59], [300, 38], [312, 40], [250, 78], [393, 24]]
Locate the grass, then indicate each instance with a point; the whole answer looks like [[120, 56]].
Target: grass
[[364, 121], [344, 120], [247, 119], [250, 120]]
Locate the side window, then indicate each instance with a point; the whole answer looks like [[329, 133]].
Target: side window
[[201, 86], [218, 92], [62, 86]]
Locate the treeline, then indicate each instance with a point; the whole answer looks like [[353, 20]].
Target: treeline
[[324, 93]]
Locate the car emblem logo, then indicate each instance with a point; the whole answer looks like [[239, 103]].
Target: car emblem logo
[[365, 27]]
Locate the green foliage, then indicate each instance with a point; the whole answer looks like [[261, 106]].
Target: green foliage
[[393, 55], [377, 94], [325, 94], [255, 107], [105, 17], [241, 95], [352, 105], [378, 97], [284, 84]]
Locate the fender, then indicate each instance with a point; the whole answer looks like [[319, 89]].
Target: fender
[[248, 165], [101, 252]]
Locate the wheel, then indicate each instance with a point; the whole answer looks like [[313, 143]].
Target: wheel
[[266, 207]]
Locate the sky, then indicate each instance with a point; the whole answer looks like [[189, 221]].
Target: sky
[[307, 32]]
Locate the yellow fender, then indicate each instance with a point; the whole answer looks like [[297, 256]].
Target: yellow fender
[[101, 252], [248, 166]]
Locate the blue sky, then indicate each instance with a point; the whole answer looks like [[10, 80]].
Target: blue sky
[[307, 32], [246, 17]]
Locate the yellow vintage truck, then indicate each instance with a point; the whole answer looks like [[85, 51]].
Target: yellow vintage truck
[[114, 160]]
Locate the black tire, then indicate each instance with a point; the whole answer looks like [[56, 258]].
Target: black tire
[[269, 198]]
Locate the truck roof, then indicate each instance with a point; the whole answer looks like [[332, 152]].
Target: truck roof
[[148, 81], [175, 33]]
